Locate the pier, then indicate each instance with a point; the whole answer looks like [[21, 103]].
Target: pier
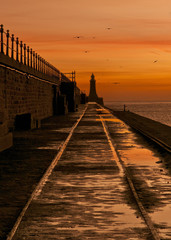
[[83, 176], [72, 169]]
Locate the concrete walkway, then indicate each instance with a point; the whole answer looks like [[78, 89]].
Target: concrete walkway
[[86, 196], [22, 166]]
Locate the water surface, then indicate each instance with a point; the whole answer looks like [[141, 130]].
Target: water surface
[[158, 111]]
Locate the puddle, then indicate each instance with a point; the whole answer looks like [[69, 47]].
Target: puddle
[[108, 120], [138, 156]]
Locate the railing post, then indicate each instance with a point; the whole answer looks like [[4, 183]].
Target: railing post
[[34, 59], [24, 53], [31, 60], [17, 43], [46, 67], [21, 51], [2, 39], [50, 70], [40, 64], [52, 67], [7, 47], [60, 77], [74, 76], [12, 46], [43, 66], [28, 60], [36, 62], [53, 71]]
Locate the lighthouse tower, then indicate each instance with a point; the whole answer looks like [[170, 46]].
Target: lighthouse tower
[[93, 95]]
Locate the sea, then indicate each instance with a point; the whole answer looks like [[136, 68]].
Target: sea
[[158, 111]]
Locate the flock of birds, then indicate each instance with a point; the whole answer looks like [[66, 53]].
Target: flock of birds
[[108, 28], [78, 37]]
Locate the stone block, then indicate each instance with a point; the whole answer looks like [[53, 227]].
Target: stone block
[[6, 141], [3, 129]]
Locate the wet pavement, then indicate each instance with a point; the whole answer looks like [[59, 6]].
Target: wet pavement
[[22, 166], [87, 195], [149, 172], [151, 128]]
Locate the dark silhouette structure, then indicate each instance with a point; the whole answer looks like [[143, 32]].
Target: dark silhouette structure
[[31, 89], [93, 95]]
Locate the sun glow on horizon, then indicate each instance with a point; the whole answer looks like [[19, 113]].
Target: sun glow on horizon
[[126, 44]]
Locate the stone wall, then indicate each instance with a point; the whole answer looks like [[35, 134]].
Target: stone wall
[[26, 93]]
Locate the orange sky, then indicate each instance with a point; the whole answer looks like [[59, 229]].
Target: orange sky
[[122, 58]]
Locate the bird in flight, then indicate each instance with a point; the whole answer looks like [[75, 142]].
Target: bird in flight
[[86, 51], [116, 83], [155, 61], [108, 28], [77, 37]]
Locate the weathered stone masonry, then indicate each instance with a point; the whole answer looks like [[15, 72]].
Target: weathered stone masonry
[[22, 95], [30, 88]]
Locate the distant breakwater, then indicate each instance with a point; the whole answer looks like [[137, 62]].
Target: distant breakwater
[[156, 131]]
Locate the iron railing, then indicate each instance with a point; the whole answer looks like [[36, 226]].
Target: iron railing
[[20, 52]]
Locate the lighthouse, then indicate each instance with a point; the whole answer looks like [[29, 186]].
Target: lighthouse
[[93, 95]]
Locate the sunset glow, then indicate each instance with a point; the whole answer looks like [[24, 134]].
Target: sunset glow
[[125, 43]]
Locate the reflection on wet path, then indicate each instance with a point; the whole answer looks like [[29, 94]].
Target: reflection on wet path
[[85, 197], [151, 179]]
